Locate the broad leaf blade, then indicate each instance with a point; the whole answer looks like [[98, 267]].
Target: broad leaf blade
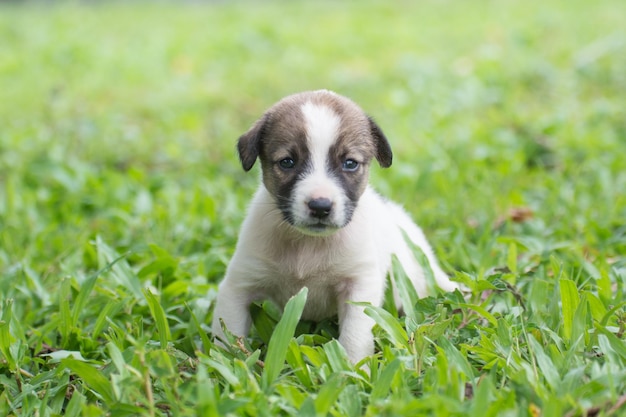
[[277, 349]]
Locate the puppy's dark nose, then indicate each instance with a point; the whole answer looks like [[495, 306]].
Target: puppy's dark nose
[[320, 207]]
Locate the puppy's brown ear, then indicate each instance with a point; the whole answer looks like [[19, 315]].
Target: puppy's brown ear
[[249, 144], [383, 149]]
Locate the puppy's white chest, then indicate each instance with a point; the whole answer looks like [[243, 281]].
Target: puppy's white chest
[[324, 265], [322, 295], [305, 264]]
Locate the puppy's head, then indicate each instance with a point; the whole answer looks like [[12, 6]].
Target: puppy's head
[[315, 150]]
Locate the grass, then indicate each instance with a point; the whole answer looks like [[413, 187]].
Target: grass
[[121, 197]]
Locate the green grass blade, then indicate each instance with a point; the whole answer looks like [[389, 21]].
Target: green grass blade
[[569, 303], [328, 394], [120, 270], [296, 361], [405, 288], [483, 395], [337, 357], [596, 307], [455, 357], [482, 311], [75, 405], [349, 402], [87, 287], [389, 324], [158, 314], [225, 371], [104, 315], [614, 343], [83, 296], [611, 313], [546, 366], [6, 338], [94, 379], [277, 348], [511, 258], [383, 383], [65, 323], [117, 359], [204, 338]]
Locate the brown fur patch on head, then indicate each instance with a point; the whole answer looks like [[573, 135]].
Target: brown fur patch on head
[[281, 133], [283, 124], [357, 129]]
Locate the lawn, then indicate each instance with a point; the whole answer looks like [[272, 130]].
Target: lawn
[[121, 196]]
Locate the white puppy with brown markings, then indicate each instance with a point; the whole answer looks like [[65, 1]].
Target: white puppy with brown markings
[[315, 222]]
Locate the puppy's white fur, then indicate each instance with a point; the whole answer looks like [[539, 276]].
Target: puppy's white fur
[[341, 258]]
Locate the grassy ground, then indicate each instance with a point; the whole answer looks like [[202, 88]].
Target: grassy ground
[[121, 197]]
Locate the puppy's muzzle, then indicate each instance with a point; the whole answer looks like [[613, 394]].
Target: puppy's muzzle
[[320, 208]]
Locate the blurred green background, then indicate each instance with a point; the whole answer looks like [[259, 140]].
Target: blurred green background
[[120, 119]]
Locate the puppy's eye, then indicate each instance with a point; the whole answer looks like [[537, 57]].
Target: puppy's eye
[[350, 165], [287, 163]]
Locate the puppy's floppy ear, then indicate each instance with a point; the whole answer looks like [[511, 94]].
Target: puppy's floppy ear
[[383, 149], [249, 144]]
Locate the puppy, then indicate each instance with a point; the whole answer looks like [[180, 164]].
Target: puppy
[[314, 222]]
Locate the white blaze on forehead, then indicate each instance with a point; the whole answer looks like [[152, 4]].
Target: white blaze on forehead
[[322, 129]]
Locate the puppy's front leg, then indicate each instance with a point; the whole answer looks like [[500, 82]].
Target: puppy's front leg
[[355, 327], [232, 307]]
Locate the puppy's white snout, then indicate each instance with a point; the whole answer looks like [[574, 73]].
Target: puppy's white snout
[[320, 208]]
